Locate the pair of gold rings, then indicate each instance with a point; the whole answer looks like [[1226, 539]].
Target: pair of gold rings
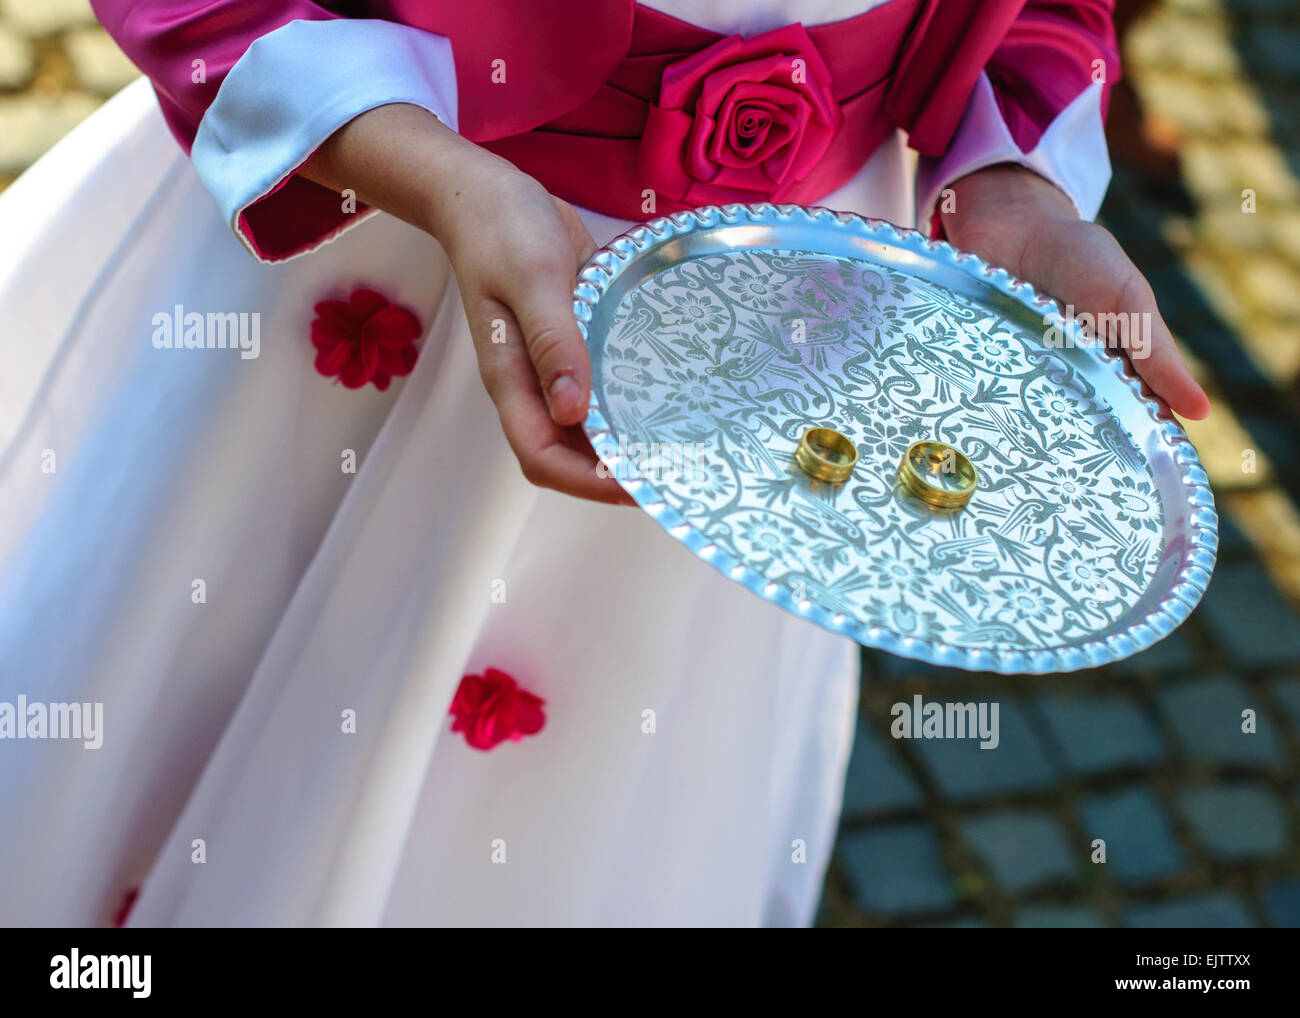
[[937, 473]]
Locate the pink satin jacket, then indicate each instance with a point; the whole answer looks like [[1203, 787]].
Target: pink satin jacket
[[654, 102]]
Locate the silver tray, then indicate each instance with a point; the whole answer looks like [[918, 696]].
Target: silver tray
[[718, 336]]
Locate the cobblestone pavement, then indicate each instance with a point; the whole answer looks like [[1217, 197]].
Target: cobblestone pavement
[[1201, 822], [56, 67]]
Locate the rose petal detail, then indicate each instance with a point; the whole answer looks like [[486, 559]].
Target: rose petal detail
[[366, 338], [492, 708], [332, 361], [366, 303], [392, 327], [741, 120]]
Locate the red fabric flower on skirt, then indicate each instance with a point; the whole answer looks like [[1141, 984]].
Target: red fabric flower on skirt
[[491, 708], [364, 339]]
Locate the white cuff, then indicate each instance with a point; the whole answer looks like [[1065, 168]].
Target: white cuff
[[1071, 153], [295, 87]]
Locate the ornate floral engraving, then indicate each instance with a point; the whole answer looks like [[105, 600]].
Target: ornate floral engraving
[[739, 353]]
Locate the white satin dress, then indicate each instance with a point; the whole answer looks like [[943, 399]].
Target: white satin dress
[[226, 787]]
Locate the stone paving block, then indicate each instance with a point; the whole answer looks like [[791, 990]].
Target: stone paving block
[[964, 771], [1248, 618], [17, 59], [876, 779], [1185, 45], [893, 668], [1259, 164], [1213, 341], [31, 124], [1232, 541], [1235, 821], [888, 667], [895, 870], [1274, 10], [44, 17], [1057, 917], [1223, 443], [1206, 715], [1282, 903], [1140, 845], [1241, 111], [1197, 7], [1282, 227], [1098, 734], [1272, 50], [1191, 102], [1210, 911], [1287, 692], [98, 62], [1277, 438], [1168, 278], [1023, 850], [1174, 653]]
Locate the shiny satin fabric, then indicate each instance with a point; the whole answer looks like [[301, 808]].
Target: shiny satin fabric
[[557, 89]]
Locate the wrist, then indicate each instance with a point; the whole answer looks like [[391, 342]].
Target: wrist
[[397, 157], [445, 159], [1003, 193], [461, 183]]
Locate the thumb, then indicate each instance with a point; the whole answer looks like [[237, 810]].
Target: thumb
[[542, 301]]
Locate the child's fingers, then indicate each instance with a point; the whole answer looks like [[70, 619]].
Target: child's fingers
[[1152, 349], [1165, 371], [539, 291], [546, 457], [545, 451], [1087, 271]]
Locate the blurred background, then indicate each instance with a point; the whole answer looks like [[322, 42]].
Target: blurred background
[[1201, 821]]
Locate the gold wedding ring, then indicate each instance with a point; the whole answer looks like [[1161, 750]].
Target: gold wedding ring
[[938, 474], [825, 454]]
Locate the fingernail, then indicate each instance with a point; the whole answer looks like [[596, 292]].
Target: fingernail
[[562, 397]]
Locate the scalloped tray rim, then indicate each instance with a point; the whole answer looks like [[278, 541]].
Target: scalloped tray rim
[[1187, 585]]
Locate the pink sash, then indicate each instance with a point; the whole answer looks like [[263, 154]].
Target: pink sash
[[608, 142]]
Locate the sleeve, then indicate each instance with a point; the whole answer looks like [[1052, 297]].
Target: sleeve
[[252, 88], [1041, 103]]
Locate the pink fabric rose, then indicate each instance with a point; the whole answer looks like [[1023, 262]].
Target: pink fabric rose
[[493, 707], [744, 120], [365, 338]]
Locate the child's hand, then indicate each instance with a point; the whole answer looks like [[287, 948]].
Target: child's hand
[[516, 251], [1014, 218]]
